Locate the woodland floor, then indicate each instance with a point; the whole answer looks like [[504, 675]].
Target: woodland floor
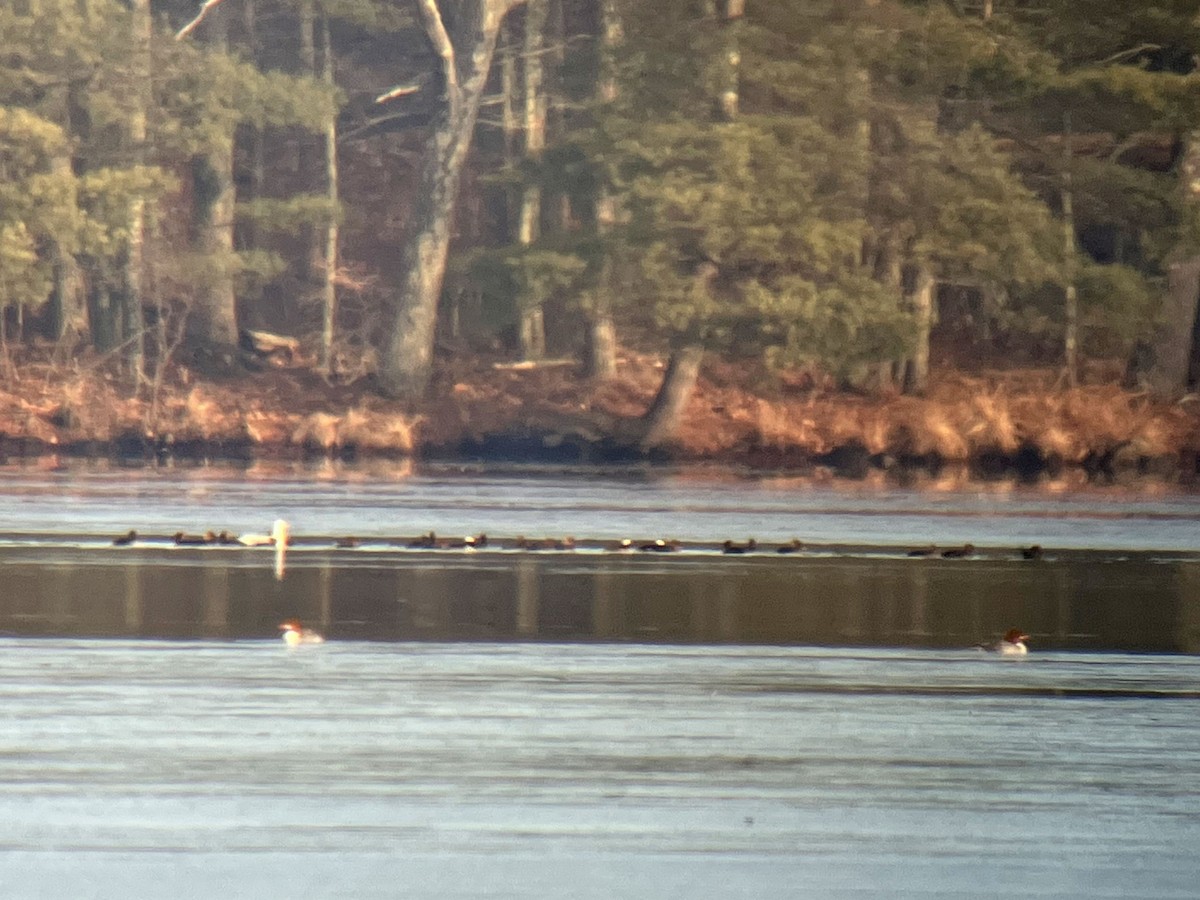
[[1019, 420]]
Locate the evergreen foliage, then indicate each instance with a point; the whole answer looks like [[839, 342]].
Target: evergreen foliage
[[1014, 159]]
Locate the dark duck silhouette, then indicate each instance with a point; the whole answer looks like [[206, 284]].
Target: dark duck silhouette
[[792, 546], [959, 552], [730, 547], [126, 539], [183, 539], [660, 546]]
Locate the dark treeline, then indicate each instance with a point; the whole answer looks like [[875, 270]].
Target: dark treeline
[[808, 182]]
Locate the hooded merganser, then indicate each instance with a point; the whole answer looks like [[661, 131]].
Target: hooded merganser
[[126, 539], [1034, 552], [295, 633], [1012, 644], [792, 546]]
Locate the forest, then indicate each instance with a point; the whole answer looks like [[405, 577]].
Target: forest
[[765, 231]]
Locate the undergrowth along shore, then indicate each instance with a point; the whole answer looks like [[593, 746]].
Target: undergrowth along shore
[[1005, 422]]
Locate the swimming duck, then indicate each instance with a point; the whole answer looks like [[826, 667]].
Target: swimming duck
[[295, 633], [193, 540], [792, 546], [470, 542], [126, 539], [621, 546], [923, 551], [279, 536], [1012, 644], [1034, 552], [660, 546], [730, 547], [424, 542], [959, 552], [346, 543]]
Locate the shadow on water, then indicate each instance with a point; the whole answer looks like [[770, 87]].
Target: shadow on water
[[1091, 601]]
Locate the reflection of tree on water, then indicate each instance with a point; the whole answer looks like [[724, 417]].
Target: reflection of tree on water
[[1084, 600]]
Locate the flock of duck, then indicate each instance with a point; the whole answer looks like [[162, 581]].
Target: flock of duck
[[280, 536], [294, 632]]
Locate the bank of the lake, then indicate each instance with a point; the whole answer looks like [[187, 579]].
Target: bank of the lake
[[1019, 422]]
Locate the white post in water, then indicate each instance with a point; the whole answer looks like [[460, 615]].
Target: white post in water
[[280, 535]]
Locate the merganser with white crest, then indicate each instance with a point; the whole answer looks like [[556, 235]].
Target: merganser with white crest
[[295, 633], [1012, 644]]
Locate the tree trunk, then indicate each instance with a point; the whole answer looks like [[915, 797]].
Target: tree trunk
[[68, 297], [1071, 299], [133, 324], [533, 324], [212, 318], [329, 280], [601, 354], [917, 381], [601, 357], [1172, 346], [663, 418], [406, 361], [1172, 343]]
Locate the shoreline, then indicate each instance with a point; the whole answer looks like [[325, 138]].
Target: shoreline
[[549, 450], [1002, 424]]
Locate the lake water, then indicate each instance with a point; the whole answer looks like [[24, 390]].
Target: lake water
[[591, 723]]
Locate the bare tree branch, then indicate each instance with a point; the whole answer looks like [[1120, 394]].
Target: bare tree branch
[[191, 26], [435, 29], [399, 90]]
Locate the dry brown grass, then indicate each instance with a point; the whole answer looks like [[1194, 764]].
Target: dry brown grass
[[731, 416]]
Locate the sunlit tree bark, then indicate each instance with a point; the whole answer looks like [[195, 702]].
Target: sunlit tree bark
[[464, 54]]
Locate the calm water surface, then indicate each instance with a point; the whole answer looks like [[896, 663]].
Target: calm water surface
[[390, 500], [504, 724], [461, 770]]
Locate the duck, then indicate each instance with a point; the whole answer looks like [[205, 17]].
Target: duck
[[959, 552], [125, 539], [622, 546], [183, 539], [792, 546], [660, 546], [295, 633], [279, 536], [425, 542], [923, 551], [346, 543], [730, 547], [524, 543], [1012, 644], [470, 542], [1034, 552]]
